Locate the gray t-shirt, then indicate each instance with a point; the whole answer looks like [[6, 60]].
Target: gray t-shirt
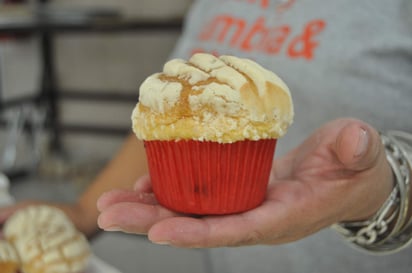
[[339, 58]]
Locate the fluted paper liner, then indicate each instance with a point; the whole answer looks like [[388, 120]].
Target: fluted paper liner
[[204, 178]]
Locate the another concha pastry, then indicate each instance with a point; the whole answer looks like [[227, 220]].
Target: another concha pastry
[[9, 261], [30, 220], [47, 241]]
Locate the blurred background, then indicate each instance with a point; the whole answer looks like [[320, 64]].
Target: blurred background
[[69, 77]]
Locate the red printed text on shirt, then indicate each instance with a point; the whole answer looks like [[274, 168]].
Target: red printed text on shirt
[[258, 36]]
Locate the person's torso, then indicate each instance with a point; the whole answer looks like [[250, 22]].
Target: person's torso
[[339, 58]]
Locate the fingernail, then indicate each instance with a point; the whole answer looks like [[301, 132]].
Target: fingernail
[[113, 229], [363, 142], [164, 243]]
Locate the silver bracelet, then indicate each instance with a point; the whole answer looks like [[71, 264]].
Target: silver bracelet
[[404, 140], [388, 230]]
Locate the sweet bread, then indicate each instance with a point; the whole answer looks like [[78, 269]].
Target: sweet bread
[[46, 241], [30, 220], [207, 98]]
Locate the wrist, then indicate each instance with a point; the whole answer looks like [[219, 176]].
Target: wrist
[[81, 218], [390, 228]]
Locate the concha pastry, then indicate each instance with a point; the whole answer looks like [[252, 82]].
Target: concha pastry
[[9, 262], [47, 241], [210, 126], [222, 99], [30, 220]]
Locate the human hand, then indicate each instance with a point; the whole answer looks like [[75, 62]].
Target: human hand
[[339, 173]]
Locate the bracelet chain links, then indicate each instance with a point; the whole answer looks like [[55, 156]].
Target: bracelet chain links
[[388, 230]]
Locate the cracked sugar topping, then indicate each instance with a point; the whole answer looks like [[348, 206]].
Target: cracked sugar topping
[[222, 99], [46, 241]]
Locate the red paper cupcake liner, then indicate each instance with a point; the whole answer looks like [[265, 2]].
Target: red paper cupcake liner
[[201, 177]]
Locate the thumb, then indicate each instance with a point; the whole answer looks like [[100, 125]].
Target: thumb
[[358, 146]]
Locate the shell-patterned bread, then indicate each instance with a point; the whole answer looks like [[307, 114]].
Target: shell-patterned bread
[[9, 262], [222, 99], [47, 241], [61, 250], [33, 218]]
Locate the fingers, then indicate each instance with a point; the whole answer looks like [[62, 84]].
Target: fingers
[[166, 227], [351, 143], [143, 184], [203, 232], [119, 209], [262, 225], [132, 217], [142, 194], [118, 196], [130, 211], [358, 146]]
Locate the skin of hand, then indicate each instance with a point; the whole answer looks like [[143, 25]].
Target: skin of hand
[[339, 173], [121, 172]]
